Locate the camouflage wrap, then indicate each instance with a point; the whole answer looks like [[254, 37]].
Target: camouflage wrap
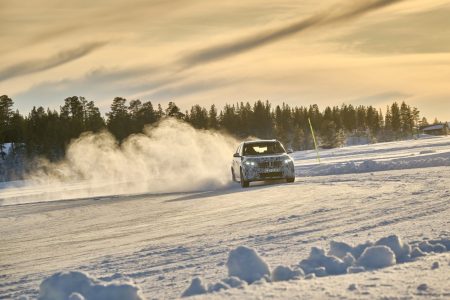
[[268, 167]]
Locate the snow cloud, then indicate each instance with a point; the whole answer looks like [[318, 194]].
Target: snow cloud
[[171, 156]]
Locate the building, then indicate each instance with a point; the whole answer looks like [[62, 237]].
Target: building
[[437, 129]]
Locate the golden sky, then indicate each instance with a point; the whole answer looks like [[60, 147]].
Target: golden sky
[[370, 52]]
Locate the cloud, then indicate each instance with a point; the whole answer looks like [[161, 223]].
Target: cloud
[[333, 15], [100, 84], [381, 98], [420, 32], [37, 65], [189, 88]]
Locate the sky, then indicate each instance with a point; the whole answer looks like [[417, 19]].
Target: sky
[[301, 52]]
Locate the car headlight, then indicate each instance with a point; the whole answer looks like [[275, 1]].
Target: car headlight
[[250, 163], [287, 160]]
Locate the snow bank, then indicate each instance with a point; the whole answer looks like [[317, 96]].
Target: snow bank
[[244, 263], [79, 285], [432, 160], [246, 266], [377, 257]]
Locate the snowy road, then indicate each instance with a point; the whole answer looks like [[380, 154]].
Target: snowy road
[[162, 240]]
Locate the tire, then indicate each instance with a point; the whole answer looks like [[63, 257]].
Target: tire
[[244, 183], [233, 178], [290, 180]]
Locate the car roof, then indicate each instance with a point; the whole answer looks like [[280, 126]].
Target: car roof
[[259, 141]]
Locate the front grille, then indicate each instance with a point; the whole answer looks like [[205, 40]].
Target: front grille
[[270, 164], [271, 175]]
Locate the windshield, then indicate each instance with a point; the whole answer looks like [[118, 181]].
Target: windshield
[[263, 148]]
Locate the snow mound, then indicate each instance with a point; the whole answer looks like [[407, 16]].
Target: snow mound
[[285, 273], [196, 288], [402, 250], [435, 246], [359, 249], [78, 285], [376, 257], [321, 264], [244, 263], [341, 249], [245, 266]]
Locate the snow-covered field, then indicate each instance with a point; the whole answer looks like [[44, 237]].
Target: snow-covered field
[[161, 241]]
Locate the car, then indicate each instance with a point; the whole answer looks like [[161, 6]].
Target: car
[[261, 160]]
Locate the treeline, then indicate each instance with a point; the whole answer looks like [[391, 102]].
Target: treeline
[[48, 132]]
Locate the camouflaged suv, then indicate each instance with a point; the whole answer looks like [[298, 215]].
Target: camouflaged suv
[[261, 160]]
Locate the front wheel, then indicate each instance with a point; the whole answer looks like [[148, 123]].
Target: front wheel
[[244, 183], [290, 180]]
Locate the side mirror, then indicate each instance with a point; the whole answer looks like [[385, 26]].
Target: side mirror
[[236, 155], [289, 151]]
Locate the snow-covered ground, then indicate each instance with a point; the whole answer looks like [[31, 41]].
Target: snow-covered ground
[[161, 241]]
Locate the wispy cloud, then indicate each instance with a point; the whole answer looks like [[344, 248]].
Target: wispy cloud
[[419, 32], [381, 98], [100, 85], [38, 65], [333, 15]]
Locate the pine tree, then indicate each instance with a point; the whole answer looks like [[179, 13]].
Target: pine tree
[[330, 137], [198, 117], [415, 119], [424, 122], [147, 114], [406, 119], [6, 114], [298, 139], [213, 122], [174, 111], [119, 120], [396, 120]]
